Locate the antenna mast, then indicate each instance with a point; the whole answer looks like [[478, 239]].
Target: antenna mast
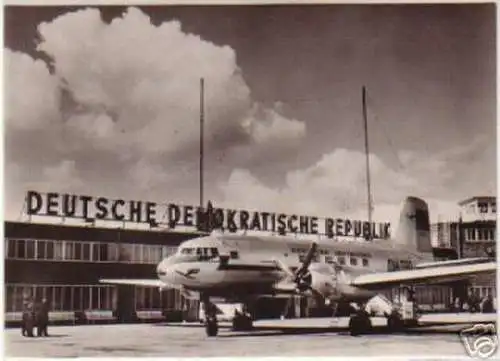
[[367, 154], [202, 105]]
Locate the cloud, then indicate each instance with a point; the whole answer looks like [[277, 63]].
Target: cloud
[[336, 186], [119, 102], [31, 95], [264, 125]]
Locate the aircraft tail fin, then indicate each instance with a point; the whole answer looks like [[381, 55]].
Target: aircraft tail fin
[[414, 225]]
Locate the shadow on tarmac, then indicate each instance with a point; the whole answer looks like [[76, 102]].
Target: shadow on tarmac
[[278, 331]]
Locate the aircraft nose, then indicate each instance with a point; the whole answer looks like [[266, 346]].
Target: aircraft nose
[[162, 268]]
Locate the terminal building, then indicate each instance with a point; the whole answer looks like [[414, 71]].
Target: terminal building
[[472, 234], [63, 263]]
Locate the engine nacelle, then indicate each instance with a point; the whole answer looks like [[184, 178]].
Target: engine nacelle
[[321, 279]]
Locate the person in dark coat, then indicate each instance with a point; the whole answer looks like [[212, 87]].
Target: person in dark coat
[[474, 302], [42, 318], [487, 306], [28, 321]]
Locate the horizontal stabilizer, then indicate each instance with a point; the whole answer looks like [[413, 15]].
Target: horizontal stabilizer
[[430, 275], [135, 282]]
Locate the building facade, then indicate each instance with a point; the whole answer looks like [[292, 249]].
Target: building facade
[[64, 264], [473, 234]]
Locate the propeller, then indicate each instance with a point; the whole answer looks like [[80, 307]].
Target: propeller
[[304, 269], [301, 277]]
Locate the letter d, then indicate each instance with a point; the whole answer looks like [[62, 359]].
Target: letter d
[[174, 215], [33, 202]]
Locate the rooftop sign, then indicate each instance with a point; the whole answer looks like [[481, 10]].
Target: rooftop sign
[[203, 219]]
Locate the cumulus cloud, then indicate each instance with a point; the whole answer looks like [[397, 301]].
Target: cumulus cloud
[[336, 186], [120, 101], [31, 93]]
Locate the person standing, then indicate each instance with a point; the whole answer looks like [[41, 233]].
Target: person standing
[[43, 318], [27, 322]]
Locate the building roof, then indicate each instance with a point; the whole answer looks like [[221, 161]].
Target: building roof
[[477, 198]]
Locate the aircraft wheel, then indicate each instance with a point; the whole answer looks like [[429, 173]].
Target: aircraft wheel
[[360, 324], [242, 322], [211, 328], [394, 323]]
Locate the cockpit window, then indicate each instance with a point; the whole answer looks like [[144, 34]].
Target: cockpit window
[[200, 253], [187, 251]]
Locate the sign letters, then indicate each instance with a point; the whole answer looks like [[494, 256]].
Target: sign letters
[[209, 218]]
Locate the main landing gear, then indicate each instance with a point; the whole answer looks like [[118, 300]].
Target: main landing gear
[[359, 322], [211, 324]]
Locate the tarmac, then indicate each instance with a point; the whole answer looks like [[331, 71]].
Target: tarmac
[[303, 337]]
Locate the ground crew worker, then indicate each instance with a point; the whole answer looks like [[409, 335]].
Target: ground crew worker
[[42, 319]]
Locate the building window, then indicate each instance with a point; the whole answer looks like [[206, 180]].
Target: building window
[[86, 252], [77, 251], [494, 207], [59, 251], [168, 251], [147, 298], [68, 250], [20, 248], [124, 253], [471, 234]]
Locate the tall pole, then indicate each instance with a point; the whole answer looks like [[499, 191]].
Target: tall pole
[[367, 154], [202, 105]]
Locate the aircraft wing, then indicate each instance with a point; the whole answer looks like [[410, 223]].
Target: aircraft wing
[[431, 275], [135, 282]]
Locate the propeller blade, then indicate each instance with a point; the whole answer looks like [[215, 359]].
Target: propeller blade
[[318, 298], [282, 266], [308, 259]]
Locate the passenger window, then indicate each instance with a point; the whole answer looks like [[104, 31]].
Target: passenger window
[[215, 252], [233, 254], [365, 262], [328, 259], [341, 260], [354, 261]]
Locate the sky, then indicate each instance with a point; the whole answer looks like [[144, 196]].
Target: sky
[[104, 101]]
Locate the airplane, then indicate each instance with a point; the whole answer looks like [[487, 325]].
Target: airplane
[[243, 268]]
